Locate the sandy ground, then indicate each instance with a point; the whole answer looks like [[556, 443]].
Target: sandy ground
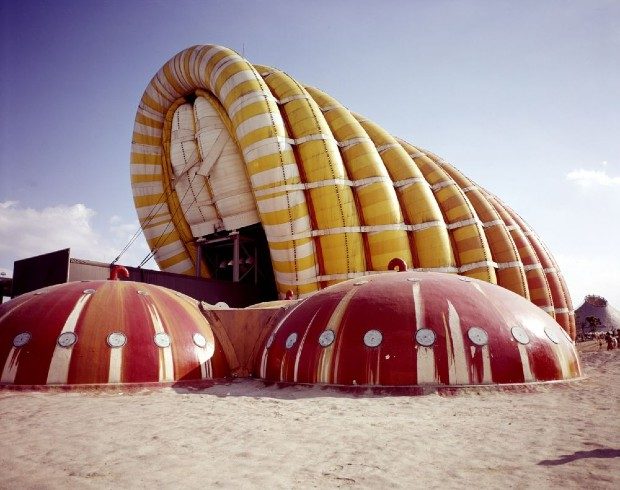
[[245, 434]]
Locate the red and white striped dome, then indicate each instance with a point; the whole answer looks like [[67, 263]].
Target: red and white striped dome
[[416, 329], [106, 332]]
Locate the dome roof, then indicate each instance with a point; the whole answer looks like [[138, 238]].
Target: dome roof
[[100, 332], [597, 307], [416, 329], [232, 144]]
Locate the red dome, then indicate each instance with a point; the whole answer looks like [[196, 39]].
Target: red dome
[[416, 329], [96, 332]]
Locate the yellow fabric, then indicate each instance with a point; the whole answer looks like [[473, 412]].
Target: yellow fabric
[[337, 195]]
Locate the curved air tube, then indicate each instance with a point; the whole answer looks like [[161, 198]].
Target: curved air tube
[[337, 196]]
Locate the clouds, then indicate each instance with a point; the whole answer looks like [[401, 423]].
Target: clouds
[[593, 178], [25, 232]]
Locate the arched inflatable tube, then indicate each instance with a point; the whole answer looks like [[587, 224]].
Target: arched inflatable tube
[[220, 144]]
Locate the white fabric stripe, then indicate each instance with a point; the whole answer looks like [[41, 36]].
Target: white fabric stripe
[[441, 185], [344, 276], [322, 183], [387, 146], [155, 188], [358, 229], [180, 267], [461, 224], [145, 169], [145, 130], [265, 74], [150, 113], [274, 175], [267, 146], [547, 309], [116, 365], [248, 99], [353, 141], [286, 100], [496, 222], [221, 65], [59, 365], [158, 210], [508, 265], [170, 250], [281, 232], [156, 231], [301, 251], [562, 310], [256, 122], [234, 81], [477, 265], [142, 149], [469, 189], [312, 137], [449, 269], [531, 267], [166, 363], [281, 202], [328, 108], [304, 276], [10, 366], [417, 154], [512, 227], [410, 181], [550, 270]]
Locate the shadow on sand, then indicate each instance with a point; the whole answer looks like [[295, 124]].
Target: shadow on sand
[[594, 453]]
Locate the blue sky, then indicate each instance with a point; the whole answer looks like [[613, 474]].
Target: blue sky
[[523, 97]]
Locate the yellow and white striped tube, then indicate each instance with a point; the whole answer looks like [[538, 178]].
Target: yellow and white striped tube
[[337, 196]]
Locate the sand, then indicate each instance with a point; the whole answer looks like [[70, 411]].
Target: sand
[[245, 434]]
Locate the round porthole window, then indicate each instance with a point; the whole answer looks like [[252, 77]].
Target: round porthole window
[[89, 291], [553, 336], [162, 340], [425, 337], [21, 339], [116, 339], [67, 339], [327, 338], [221, 304], [200, 340], [373, 338], [520, 335], [478, 336], [291, 340]]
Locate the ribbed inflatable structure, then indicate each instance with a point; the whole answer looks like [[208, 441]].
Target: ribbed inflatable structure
[[220, 144], [416, 329], [106, 332]]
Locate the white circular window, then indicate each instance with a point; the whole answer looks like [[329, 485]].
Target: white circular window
[[478, 336], [200, 340], [67, 339], [327, 338], [464, 279], [221, 304], [21, 339], [425, 337], [270, 340], [89, 291], [552, 334], [373, 338], [291, 339], [520, 335], [162, 340], [116, 339]]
